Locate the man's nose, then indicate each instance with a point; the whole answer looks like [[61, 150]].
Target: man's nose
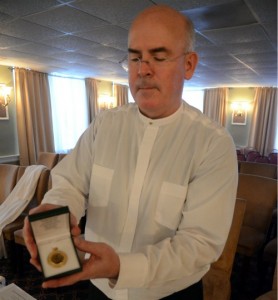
[[144, 68]]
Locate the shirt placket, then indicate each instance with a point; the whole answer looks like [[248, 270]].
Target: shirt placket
[[139, 176]]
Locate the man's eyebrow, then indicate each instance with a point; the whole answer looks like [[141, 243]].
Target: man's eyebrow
[[159, 49], [152, 51], [130, 50]]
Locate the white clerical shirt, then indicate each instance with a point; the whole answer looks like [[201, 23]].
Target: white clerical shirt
[[160, 192]]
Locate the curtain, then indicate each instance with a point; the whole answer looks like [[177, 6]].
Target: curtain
[[263, 128], [92, 96], [122, 94], [33, 109], [215, 104]]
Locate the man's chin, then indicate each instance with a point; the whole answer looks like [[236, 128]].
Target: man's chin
[[148, 106]]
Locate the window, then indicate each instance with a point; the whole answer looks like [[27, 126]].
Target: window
[[130, 98], [194, 98], [69, 111]]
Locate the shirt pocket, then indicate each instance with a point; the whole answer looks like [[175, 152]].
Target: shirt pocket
[[170, 205], [100, 186]]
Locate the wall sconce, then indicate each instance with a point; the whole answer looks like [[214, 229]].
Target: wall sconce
[[106, 102], [5, 95], [239, 114]]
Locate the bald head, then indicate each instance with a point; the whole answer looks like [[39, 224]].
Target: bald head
[[176, 23]]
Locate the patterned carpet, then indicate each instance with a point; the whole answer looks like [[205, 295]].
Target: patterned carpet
[[30, 280]]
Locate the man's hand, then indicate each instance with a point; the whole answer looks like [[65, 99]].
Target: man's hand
[[28, 235], [102, 263]]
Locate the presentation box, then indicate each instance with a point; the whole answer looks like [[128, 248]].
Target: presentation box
[[57, 253]]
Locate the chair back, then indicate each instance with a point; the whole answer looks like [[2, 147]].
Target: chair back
[[261, 196], [260, 169], [273, 158], [216, 282], [42, 185], [41, 189], [226, 259], [252, 155], [61, 156], [48, 159], [8, 175], [241, 157], [262, 159]]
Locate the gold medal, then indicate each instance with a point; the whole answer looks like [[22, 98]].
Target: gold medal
[[57, 258]]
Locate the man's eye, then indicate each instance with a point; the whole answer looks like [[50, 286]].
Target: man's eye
[[134, 59], [159, 58]]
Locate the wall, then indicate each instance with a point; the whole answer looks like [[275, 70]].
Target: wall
[[105, 87], [106, 94], [8, 132], [240, 132]]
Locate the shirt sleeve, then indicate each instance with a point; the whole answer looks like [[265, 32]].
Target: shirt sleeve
[[71, 178]]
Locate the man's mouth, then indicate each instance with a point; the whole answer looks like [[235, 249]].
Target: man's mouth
[[146, 88]]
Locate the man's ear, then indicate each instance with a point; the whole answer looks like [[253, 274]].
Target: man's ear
[[191, 61]]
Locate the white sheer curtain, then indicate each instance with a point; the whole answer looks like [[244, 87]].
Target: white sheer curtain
[[69, 111]]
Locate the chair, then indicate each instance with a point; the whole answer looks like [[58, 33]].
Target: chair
[[241, 157], [42, 186], [8, 174], [216, 282], [61, 156], [252, 155], [48, 159], [262, 159], [269, 253], [271, 295], [246, 150], [17, 224], [273, 158], [260, 169], [261, 195]]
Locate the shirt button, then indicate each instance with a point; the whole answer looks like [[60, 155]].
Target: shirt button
[[151, 123]]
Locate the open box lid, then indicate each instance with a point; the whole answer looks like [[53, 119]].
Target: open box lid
[[51, 224]]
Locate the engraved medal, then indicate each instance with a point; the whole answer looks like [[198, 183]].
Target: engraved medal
[[57, 258]]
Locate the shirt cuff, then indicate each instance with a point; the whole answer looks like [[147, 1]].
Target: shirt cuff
[[133, 271]]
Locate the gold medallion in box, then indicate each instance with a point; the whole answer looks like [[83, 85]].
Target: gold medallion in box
[[57, 258]]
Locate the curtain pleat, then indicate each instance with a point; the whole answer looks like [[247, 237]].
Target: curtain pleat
[[263, 127], [34, 119], [215, 104], [122, 94], [92, 96]]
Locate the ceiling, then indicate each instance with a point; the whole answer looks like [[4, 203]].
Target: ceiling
[[236, 40]]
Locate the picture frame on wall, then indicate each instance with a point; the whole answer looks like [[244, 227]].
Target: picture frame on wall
[[4, 112], [239, 117]]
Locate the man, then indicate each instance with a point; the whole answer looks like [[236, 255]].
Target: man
[[157, 179]]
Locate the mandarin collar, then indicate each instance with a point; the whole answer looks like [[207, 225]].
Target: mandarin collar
[[162, 121]]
